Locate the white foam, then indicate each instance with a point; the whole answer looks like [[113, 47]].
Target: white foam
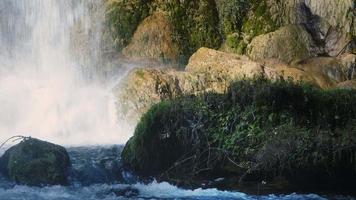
[[166, 190], [47, 89], [151, 191]]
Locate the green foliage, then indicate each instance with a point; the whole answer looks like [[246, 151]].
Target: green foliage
[[123, 17], [236, 43], [195, 23], [260, 22], [232, 14], [260, 126]]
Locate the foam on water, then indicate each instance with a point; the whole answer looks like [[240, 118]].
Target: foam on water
[[88, 161], [151, 191]]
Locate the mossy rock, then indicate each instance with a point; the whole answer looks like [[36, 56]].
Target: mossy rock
[[123, 17], [289, 44], [153, 41], [258, 131], [34, 162]]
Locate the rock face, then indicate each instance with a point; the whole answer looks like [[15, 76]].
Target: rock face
[[351, 84], [227, 65], [209, 70], [309, 27], [34, 162], [288, 44], [153, 40]]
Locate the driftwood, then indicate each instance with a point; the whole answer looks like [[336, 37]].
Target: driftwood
[[14, 139]]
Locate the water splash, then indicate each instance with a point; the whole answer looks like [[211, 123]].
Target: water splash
[[157, 191], [50, 55]]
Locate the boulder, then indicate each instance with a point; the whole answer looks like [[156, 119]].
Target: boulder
[[143, 88], [34, 162], [275, 69], [153, 40], [289, 44], [328, 70], [209, 70], [223, 64]]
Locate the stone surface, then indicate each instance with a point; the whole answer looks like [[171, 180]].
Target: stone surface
[[209, 70], [211, 23], [153, 40], [34, 162], [289, 44], [351, 84]]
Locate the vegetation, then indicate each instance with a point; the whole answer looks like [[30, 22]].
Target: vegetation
[[197, 23], [123, 17], [256, 132]]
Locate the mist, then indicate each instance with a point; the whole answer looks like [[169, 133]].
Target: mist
[[49, 86]]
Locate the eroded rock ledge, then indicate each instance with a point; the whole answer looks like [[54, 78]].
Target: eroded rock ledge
[[210, 70]]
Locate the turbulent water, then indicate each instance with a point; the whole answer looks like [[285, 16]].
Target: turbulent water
[[97, 175]]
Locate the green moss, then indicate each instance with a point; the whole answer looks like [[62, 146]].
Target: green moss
[[123, 17], [261, 22], [266, 129], [195, 25], [140, 73], [34, 162], [231, 14], [154, 119], [236, 43], [202, 23]]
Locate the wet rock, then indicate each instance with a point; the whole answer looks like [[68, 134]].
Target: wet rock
[[35, 162], [127, 192], [96, 165]]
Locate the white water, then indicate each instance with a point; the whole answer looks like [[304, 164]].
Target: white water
[[151, 191], [87, 165], [50, 53]]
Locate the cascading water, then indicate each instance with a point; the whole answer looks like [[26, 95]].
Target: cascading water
[[50, 57], [51, 61]]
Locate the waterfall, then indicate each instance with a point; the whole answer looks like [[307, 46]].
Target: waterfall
[[50, 57]]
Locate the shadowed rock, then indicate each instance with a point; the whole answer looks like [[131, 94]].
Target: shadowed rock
[[35, 162]]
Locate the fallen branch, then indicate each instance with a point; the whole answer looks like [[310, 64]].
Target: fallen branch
[[15, 138]]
